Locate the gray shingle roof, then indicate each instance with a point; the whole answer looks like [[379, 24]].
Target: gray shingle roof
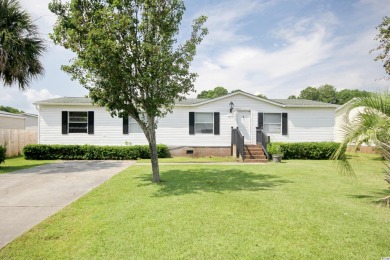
[[302, 102], [189, 101], [65, 100], [11, 114], [85, 100]]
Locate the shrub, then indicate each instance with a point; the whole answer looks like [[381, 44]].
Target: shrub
[[3, 151], [274, 148], [91, 152], [307, 150]]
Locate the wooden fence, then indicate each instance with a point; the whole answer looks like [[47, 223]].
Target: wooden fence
[[16, 139]]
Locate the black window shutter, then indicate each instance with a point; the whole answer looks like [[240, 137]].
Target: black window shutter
[[192, 123], [125, 124], [64, 122], [284, 124], [216, 123], [260, 120], [91, 122]]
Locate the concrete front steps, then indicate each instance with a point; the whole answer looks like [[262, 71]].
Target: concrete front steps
[[254, 153]]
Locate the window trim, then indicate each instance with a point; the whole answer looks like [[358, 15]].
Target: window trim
[[78, 122], [280, 123], [65, 120], [211, 122], [132, 121]]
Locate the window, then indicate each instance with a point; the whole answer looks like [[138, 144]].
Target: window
[[134, 126], [204, 123], [77, 122], [273, 123]]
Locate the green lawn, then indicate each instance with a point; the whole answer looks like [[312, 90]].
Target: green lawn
[[293, 210], [211, 159], [19, 163]]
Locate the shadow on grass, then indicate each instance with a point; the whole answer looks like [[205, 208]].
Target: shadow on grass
[[179, 182], [374, 198]]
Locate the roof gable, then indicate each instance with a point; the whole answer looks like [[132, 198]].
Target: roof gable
[[192, 102]]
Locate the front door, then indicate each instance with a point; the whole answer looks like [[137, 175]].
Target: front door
[[244, 124]]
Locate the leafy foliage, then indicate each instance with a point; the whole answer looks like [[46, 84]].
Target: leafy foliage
[[3, 151], [384, 39], [372, 125], [20, 46], [128, 57], [213, 93], [328, 94], [305, 150], [262, 96], [91, 152], [11, 110]]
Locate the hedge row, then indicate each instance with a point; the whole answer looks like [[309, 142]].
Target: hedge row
[[3, 151], [308, 150], [91, 152]]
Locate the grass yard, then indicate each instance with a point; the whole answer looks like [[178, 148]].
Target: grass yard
[[293, 210], [19, 163], [211, 159]]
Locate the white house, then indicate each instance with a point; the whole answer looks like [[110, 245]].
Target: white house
[[12, 121], [196, 126]]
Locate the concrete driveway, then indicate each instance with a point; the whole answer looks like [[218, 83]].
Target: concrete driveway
[[29, 196]]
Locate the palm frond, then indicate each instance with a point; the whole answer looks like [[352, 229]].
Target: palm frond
[[20, 46]]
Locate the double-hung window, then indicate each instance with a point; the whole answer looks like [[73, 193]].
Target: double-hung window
[[204, 123], [273, 123], [77, 122], [134, 126]]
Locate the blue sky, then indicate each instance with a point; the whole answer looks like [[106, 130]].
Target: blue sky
[[275, 47]]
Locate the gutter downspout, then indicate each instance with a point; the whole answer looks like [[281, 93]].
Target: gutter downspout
[[39, 124]]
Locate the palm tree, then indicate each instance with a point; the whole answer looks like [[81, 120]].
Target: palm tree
[[20, 46], [371, 125]]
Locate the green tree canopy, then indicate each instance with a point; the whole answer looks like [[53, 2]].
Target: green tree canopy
[[213, 93], [328, 94], [11, 110], [384, 43], [20, 46], [261, 96], [128, 56]]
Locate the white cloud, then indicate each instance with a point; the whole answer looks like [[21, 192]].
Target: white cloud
[[24, 100], [255, 69], [226, 18]]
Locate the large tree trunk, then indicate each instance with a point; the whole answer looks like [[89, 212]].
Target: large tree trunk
[[154, 155]]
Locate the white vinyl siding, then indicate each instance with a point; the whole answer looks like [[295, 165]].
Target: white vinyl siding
[[204, 123], [273, 123], [304, 124]]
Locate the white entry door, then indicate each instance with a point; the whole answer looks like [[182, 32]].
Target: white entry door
[[244, 124]]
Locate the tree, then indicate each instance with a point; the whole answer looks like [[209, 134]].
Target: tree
[[327, 94], [261, 96], [310, 93], [11, 110], [384, 39], [20, 46], [372, 125], [128, 57], [345, 95], [216, 92]]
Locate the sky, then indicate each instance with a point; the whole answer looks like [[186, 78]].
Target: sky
[[273, 47]]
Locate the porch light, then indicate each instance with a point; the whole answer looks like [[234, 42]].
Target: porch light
[[231, 106]]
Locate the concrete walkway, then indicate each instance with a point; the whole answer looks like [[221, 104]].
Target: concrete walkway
[[29, 196]]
